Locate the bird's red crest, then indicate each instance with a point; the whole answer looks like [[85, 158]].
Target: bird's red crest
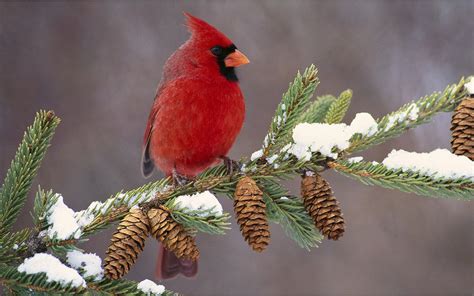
[[202, 30]]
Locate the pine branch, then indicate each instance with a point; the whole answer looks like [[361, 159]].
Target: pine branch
[[117, 206], [217, 179], [338, 109], [289, 212], [11, 277], [316, 112], [411, 115], [44, 200], [276, 165], [13, 245], [121, 287], [412, 182], [202, 221], [24, 167], [291, 107]]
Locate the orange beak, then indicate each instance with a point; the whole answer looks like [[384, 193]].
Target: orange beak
[[236, 59]]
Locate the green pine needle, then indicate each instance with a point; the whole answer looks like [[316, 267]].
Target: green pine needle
[[202, 221], [390, 126], [316, 112], [290, 213], [16, 281], [293, 104], [24, 167], [411, 182], [338, 109]]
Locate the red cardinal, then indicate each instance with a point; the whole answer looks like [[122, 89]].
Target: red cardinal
[[197, 114]]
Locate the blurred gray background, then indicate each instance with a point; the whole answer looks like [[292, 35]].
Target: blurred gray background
[[97, 64]]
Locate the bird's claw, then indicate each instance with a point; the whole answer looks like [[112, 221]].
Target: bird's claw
[[230, 165], [179, 180]]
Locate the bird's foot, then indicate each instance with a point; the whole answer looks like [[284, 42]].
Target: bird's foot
[[231, 165], [179, 180]]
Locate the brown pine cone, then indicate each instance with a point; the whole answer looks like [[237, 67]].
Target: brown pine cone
[[171, 234], [126, 244], [249, 210], [322, 206], [462, 127]]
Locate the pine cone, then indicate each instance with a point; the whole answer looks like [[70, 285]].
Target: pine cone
[[171, 234], [126, 244], [249, 210], [462, 127], [322, 206]]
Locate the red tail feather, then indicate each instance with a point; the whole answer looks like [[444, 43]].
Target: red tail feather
[[168, 265]]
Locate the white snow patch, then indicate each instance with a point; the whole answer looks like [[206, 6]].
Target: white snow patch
[[411, 113], [62, 220], [439, 163], [265, 141], [470, 86], [150, 288], [256, 154], [203, 201], [284, 198], [54, 269], [309, 173], [15, 247], [323, 137], [278, 120], [272, 159], [355, 159], [140, 198], [83, 218], [90, 263], [363, 123]]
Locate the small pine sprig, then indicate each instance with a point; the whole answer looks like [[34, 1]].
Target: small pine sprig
[[293, 104], [339, 107], [317, 110], [19, 283], [202, 221], [411, 115], [13, 245], [44, 200], [24, 167], [289, 211], [117, 206], [410, 181]]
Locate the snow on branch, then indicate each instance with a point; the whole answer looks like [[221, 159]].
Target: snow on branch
[[53, 268], [328, 139], [470, 86], [89, 264], [438, 164], [150, 288], [438, 173], [411, 115]]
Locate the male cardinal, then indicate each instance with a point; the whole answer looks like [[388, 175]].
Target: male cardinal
[[197, 114]]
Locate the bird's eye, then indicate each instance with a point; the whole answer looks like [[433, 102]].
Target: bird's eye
[[216, 50]]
